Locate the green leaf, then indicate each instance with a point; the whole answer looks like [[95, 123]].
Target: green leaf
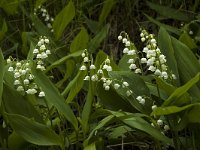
[[16, 142], [33, 131], [188, 65], [139, 123], [167, 27], [165, 45], [88, 107], [173, 99], [107, 7], [168, 12], [3, 30], [99, 37], [64, 17], [169, 110], [75, 86], [15, 103], [63, 60], [80, 42], [53, 96], [30, 54], [168, 88], [1, 74], [90, 147], [187, 40], [9, 6]]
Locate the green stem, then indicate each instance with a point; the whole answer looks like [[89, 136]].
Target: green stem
[[158, 90]]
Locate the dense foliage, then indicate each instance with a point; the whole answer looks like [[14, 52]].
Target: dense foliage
[[103, 74]]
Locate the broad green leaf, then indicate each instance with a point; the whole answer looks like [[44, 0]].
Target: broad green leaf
[[15, 103], [1, 74], [30, 54], [9, 6], [134, 81], [80, 42], [167, 27], [99, 37], [169, 110], [90, 147], [53, 96], [3, 29], [165, 45], [107, 7], [173, 99], [75, 86], [88, 107], [33, 131], [169, 12], [140, 124], [188, 65], [187, 40], [63, 60], [64, 17]]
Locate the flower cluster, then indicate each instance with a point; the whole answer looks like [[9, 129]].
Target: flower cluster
[[41, 52], [150, 59], [95, 74], [141, 99], [46, 17], [24, 79]]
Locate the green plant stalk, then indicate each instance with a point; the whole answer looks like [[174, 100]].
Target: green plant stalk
[[158, 90]]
